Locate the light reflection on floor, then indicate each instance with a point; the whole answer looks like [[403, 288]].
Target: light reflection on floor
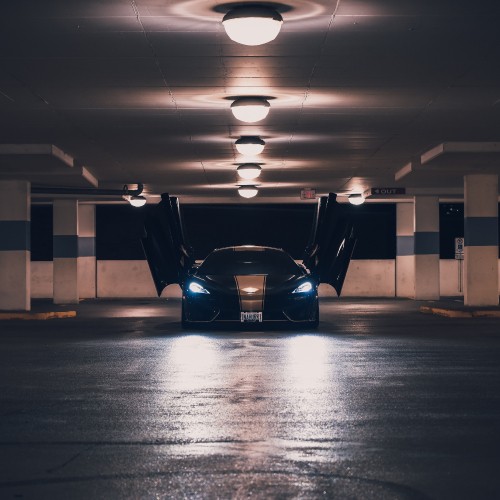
[[312, 388], [191, 360], [222, 396], [307, 362]]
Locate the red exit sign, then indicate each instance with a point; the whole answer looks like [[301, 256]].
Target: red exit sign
[[387, 191], [307, 194]]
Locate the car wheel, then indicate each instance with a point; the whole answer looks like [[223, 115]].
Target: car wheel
[[184, 321], [315, 322]]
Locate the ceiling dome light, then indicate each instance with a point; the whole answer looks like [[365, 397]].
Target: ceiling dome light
[[250, 109], [252, 24], [137, 201], [249, 170], [356, 199], [250, 145], [248, 191]]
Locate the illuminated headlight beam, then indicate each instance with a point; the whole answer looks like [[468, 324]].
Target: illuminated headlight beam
[[304, 287], [197, 288]]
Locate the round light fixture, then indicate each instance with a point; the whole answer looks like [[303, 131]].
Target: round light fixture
[[249, 170], [137, 201], [248, 191], [250, 109], [250, 145], [356, 199], [252, 24]]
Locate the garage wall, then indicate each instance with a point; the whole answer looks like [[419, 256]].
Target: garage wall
[[128, 278], [449, 278], [131, 278], [366, 278], [41, 279], [42, 284]]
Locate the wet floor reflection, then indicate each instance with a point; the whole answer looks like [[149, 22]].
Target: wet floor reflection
[[191, 361], [190, 383], [252, 396], [312, 393]]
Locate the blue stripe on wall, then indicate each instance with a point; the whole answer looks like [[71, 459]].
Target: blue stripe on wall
[[404, 245], [65, 246], [426, 243], [71, 247], [15, 235], [481, 231], [86, 246]]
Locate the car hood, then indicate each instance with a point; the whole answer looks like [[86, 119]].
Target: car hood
[[256, 283]]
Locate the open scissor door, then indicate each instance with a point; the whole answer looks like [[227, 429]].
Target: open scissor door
[[331, 243], [168, 255]]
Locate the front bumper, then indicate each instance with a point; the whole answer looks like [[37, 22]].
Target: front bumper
[[201, 308]]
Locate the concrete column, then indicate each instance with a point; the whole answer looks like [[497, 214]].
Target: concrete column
[[405, 259], [86, 252], [426, 246], [15, 246], [481, 240], [65, 252]]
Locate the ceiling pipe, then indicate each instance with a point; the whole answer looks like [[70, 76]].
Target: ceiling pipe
[[125, 191]]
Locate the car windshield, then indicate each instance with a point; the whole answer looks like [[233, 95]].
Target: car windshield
[[246, 262]]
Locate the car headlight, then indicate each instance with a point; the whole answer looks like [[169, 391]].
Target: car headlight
[[197, 288], [305, 287]]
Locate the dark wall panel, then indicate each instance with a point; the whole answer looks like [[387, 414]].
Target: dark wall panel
[[119, 228], [118, 232], [215, 226], [451, 226], [41, 232], [375, 228]]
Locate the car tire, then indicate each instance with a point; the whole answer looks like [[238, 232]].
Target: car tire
[[315, 322], [184, 321]]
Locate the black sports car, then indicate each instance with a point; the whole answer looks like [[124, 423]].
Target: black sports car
[[249, 284]]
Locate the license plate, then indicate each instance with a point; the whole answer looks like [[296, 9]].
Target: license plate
[[251, 317]]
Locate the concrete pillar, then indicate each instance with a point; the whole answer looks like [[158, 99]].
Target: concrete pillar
[[426, 246], [65, 252], [86, 252], [15, 246], [74, 252], [405, 259], [417, 255], [481, 240]]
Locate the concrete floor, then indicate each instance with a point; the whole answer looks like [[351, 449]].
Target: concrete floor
[[382, 402]]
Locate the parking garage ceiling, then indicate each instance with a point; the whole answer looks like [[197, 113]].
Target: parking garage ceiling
[[140, 91]]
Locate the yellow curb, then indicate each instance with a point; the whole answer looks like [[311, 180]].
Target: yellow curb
[[448, 313], [486, 314], [45, 315], [452, 313]]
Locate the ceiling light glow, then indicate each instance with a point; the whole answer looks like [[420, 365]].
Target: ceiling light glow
[[250, 109], [250, 145], [248, 191], [356, 199], [249, 170], [252, 24], [137, 201]]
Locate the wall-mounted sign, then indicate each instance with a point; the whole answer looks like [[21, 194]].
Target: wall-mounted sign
[[459, 249], [307, 194], [387, 191]]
